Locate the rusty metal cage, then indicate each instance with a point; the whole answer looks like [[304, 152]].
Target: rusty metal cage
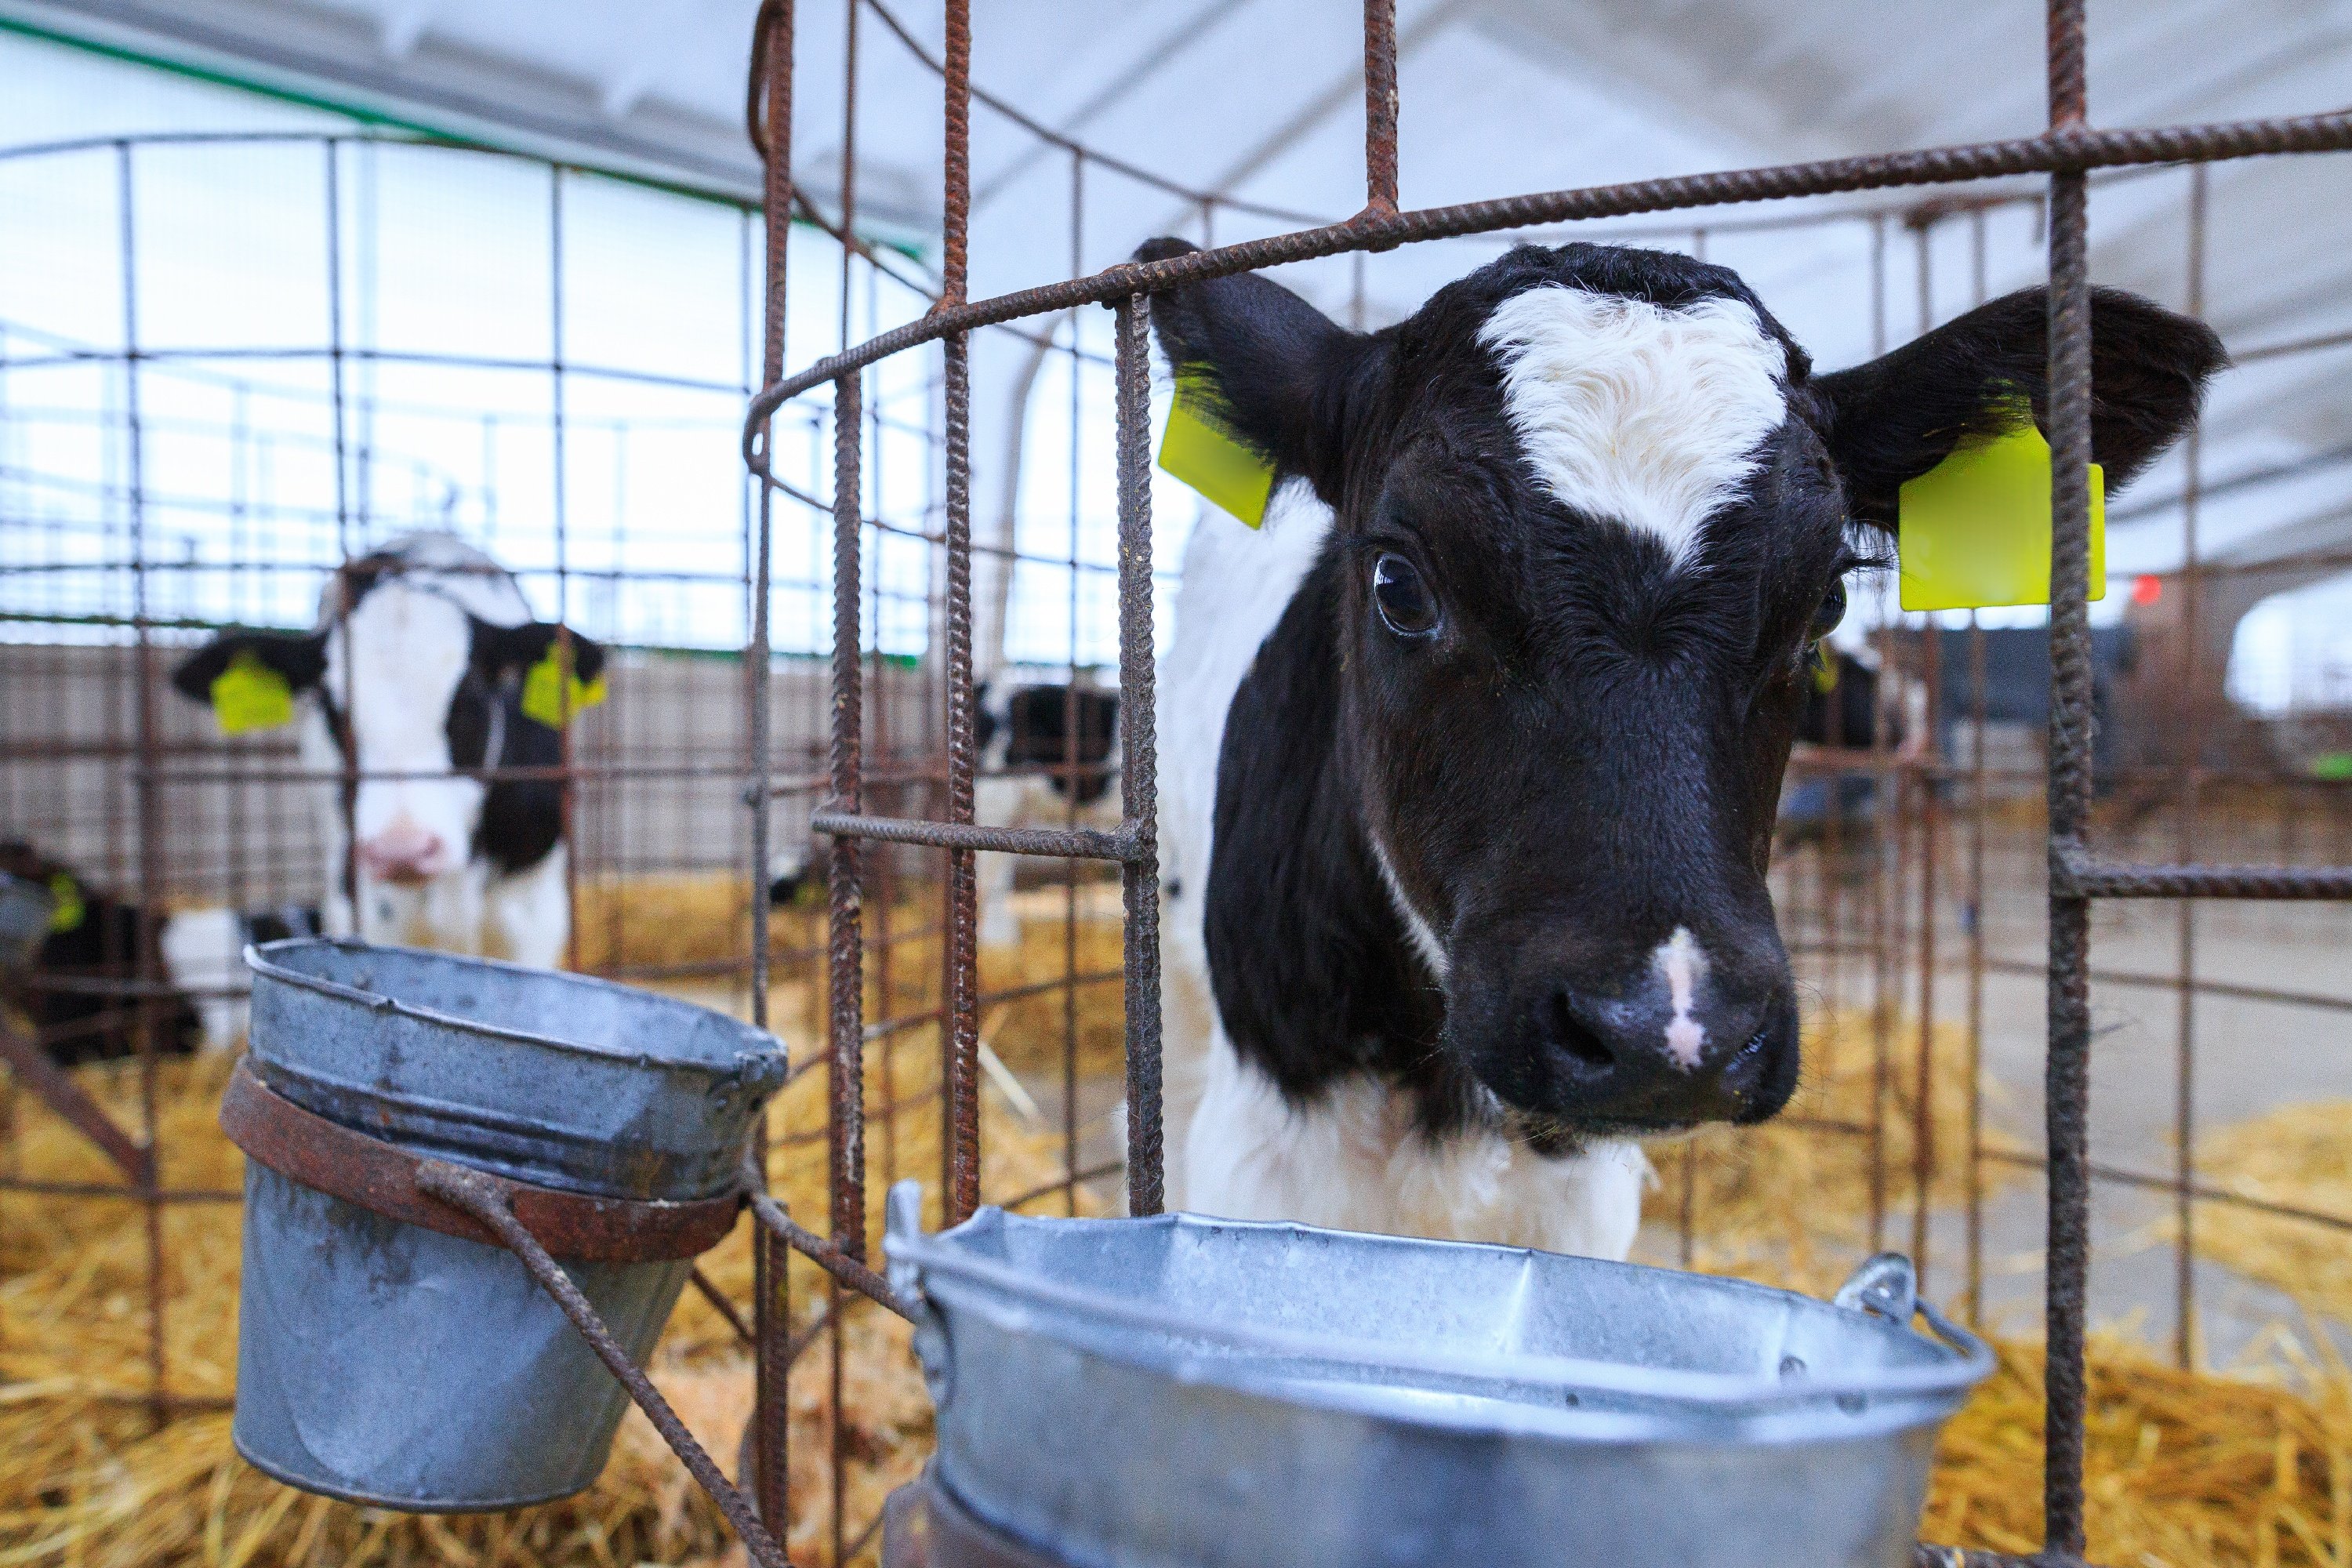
[[876, 753]]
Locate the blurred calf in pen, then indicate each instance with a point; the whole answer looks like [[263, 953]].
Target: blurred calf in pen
[[1850, 706], [1049, 758], [431, 687], [74, 959]]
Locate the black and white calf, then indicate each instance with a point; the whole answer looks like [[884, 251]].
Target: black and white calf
[[1470, 757], [66, 969], [414, 677], [1048, 757]]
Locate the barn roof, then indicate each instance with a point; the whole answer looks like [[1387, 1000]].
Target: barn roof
[[1258, 103]]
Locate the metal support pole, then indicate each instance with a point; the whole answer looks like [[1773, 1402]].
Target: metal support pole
[[846, 973], [1380, 107], [2067, 1088], [149, 794], [960, 1111], [2192, 730], [1139, 740], [771, 1282]]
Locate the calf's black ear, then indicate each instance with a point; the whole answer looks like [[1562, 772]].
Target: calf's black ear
[[1899, 415], [300, 656], [501, 651], [1273, 370]]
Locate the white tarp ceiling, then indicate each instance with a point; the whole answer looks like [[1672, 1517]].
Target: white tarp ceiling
[[1258, 101]]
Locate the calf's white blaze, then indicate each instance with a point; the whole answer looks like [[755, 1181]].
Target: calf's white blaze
[[1352, 1159], [406, 651], [1647, 415], [1682, 962]]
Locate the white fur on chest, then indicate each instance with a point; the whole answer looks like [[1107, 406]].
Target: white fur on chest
[[1354, 1160]]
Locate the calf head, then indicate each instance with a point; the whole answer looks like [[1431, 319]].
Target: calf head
[[421, 692], [1593, 512]]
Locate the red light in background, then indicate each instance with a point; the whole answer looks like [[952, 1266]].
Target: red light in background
[[2147, 589]]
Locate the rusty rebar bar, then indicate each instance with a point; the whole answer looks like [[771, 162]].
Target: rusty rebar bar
[[2067, 1069], [1380, 107], [960, 1041], [2184, 1084], [1138, 741], [845, 895], [769, 100], [470, 1190], [2073, 151]]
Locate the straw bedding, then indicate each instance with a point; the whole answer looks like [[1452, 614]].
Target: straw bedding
[[2251, 1468], [2300, 1156], [1789, 1202]]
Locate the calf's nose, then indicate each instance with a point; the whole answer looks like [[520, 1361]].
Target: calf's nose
[[1675, 1046], [406, 851]]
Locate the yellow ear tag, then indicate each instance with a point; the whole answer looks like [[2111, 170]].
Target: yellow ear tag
[[249, 694], [1197, 450], [542, 691], [1974, 528], [67, 908]]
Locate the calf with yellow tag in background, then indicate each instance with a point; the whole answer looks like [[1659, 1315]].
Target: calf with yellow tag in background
[[429, 677]]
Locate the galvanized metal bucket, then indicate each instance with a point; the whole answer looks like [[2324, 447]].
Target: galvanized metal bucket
[[387, 1363], [1182, 1391]]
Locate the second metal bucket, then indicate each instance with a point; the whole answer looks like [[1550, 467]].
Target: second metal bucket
[[1182, 1391], [388, 1363]]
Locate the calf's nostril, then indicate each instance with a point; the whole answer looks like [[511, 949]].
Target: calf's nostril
[[1575, 1040]]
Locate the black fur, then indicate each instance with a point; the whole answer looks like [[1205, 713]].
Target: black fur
[[1587, 752], [1038, 736], [1311, 968], [300, 656], [112, 940], [523, 819], [1899, 415]]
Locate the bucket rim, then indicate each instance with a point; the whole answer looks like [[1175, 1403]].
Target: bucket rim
[[319, 1486], [1970, 1360], [756, 1043]]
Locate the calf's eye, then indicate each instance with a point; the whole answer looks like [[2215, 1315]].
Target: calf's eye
[[1406, 605], [1830, 611]]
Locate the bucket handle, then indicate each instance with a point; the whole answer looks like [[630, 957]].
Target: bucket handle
[[480, 1196], [1886, 1286]]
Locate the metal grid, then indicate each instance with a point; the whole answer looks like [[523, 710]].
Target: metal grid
[[2067, 153]]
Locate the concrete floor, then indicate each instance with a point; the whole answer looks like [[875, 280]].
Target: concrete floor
[[2250, 1056]]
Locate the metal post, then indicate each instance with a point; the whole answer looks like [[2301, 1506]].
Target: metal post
[[2068, 1069], [960, 1107], [771, 1276], [1380, 107], [1978, 708], [149, 804], [2192, 729], [567, 793], [1138, 745], [846, 981], [1929, 780]]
